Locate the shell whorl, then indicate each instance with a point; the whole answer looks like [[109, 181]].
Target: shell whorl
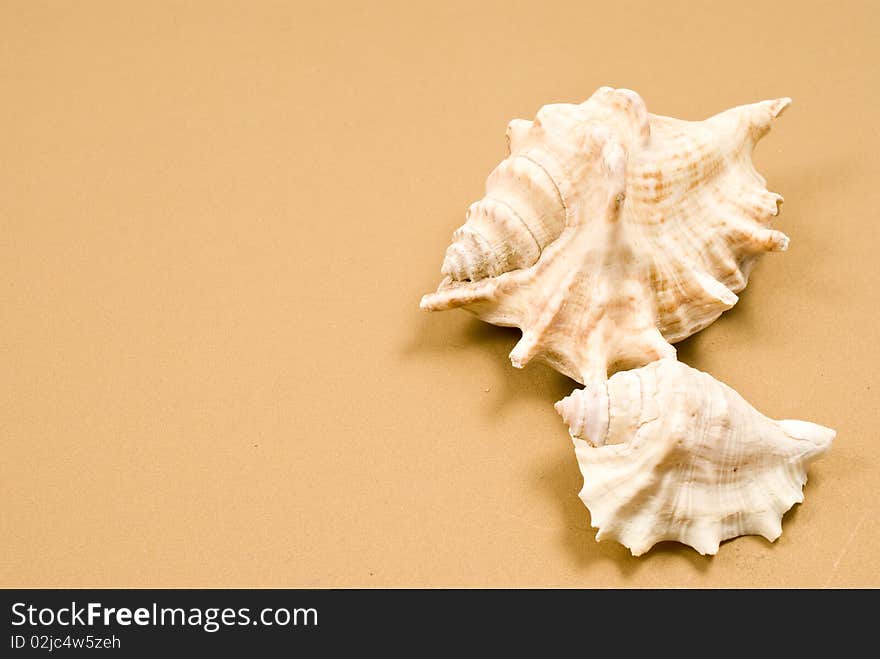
[[524, 209], [507, 229], [669, 453]]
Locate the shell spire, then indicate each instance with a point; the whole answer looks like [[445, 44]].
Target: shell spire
[[524, 208], [669, 453], [655, 226]]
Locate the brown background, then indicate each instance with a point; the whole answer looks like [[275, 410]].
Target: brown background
[[218, 220]]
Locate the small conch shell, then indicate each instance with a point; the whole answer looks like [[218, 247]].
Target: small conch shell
[[669, 453], [609, 232]]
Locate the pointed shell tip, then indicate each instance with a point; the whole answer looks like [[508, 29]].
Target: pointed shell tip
[[778, 105]]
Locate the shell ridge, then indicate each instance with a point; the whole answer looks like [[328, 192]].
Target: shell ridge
[[553, 179], [528, 346], [516, 214]]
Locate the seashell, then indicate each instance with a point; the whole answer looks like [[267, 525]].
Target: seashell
[[609, 233], [669, 453]]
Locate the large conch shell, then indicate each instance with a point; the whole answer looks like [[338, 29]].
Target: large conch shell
[[609, 233], [669, 453]]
